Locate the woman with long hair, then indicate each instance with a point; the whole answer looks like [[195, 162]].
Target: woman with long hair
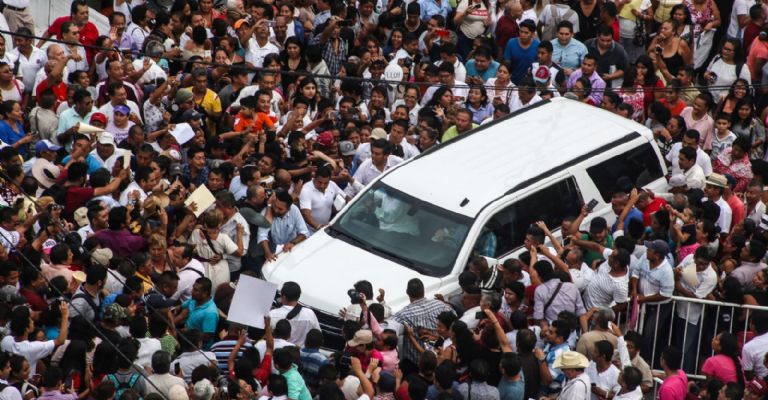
[[467, 349], [500, 87], [395, 42], [651, 83], [669, 51], [725, 365], [726, 67], [307, 88], [739, 90], [583, 88], [632, 93], [734, 161], [744, 123], [19, 378], [479, 104], [682, 15], [292, 60]]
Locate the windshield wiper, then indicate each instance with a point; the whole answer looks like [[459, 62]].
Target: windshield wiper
[[335, 233]]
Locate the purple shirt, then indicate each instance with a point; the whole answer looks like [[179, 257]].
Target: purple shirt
[[598, 85], [567, 299], [122, 243]]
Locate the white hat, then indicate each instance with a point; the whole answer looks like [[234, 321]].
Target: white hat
[[107, 138], [570, 360], [45, 172]]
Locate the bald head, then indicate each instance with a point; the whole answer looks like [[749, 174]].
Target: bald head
[[55, 52], [514, 9]]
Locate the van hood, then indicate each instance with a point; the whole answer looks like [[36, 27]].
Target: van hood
[[326, 268]]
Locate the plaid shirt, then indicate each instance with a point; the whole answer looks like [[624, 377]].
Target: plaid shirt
[[332, 59], [420, 313]]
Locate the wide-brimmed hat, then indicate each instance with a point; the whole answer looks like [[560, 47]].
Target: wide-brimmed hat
[[362, 336], [717, 180], [45, 172], [571, 360]]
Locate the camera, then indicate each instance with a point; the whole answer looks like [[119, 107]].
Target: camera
[[480, 315], [355, 297], [658, 49], [407, 62]]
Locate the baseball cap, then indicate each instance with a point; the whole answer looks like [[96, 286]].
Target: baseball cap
[[362, 336], [122, 109], [174, 169], [46, 145], [191, 114], [324, 139], [378, 133], [115, 312], [158, 301], [182, 96], [240, 23], [542, 74], [677, 180], [81, 216], [99, 117], [48, 245], [101, 256], [106, 138], [658, 246], [347, 148]]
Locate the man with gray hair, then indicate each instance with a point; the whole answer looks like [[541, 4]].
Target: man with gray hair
[[601, 330], [161, 381]]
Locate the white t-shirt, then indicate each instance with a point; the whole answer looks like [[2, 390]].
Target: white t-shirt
[[740, 7], [605, 380], [753, 353], [301, 324], [187, 277], [707, 282], [319, 203], [32, 351], [702, 160], [148, 348]]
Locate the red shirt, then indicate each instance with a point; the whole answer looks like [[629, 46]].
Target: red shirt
[[751, 31], [88, 34], [36, 302], [676, 109], [615, 27], [75, 198], [506, 29], [655, 205], [737, 210], [60, 90]]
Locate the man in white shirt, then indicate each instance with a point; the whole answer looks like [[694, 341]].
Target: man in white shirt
[[380, 161], [259, 46], [397, 138], [739, 18], [694, 175], [690, 139], [448, 78], [30, 58], [190, 270], [448, 56], [225, 202], [106, 152], [118, 95], [317, 199], [525, 96], [143, 181], [18, 341], [302, 319], [161, 381], [602, 373], [754, 205], [716, 184], [694, 278]]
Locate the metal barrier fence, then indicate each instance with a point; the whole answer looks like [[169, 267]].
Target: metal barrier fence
[[692, 334]]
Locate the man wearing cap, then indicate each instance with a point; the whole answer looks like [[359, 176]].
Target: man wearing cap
[[42, 167], [652, 284], [715, 186], [589, 70], [183, 102], [106, 153], [578, 386]]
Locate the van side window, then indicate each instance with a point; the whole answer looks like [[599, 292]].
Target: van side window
[[637, 167], [505, 231]]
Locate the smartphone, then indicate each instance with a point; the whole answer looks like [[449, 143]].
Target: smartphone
[[177, 369], [480, 315], [271, 23], [591, 205]]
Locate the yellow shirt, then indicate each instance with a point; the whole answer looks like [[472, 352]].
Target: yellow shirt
[[210, 103]]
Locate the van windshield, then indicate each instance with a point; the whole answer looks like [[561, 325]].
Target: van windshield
[[406, 230]]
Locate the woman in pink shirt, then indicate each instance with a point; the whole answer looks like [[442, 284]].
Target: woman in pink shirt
[[725, 365]]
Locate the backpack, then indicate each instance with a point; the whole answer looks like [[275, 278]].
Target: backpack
[[123, 386], [549, 30], [96, 309]]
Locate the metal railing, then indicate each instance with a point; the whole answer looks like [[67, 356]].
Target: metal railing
[[709, 323]]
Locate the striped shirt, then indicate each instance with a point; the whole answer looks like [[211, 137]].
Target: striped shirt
[[604, 290], [222, 348], [420, 313]]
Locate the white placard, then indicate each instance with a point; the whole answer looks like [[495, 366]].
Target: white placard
[[183, 133], [202, 197], [252, 301]]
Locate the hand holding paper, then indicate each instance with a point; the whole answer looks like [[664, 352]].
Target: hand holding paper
[[183, 133], [202, 197]]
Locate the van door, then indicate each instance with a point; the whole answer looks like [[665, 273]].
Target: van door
[[504, 233]]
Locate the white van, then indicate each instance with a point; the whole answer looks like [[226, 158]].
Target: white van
[[423, 218]]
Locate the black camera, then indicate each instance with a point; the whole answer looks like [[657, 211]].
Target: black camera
[[407, 62], [658, 49], [355, 297]]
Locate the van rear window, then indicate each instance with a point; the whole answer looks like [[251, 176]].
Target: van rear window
[[636, 167]]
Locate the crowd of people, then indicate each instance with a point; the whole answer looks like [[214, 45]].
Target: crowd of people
[[113, 285]]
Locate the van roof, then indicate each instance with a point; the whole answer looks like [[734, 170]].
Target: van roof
[[504, 155]]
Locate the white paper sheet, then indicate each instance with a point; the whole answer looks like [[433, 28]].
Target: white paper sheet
[[252, 301], [183, 133], [202, 197], [689, 275], [86, 128]]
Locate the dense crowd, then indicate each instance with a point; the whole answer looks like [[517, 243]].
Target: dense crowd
[[113, 285]]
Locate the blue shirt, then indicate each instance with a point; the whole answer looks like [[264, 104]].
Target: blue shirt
[[512, 390], [521, 58], [9, 136], [570, 55], [204, 318], [93, 163], [487, 74], [634, 213], [430, 8], [480, 114]]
